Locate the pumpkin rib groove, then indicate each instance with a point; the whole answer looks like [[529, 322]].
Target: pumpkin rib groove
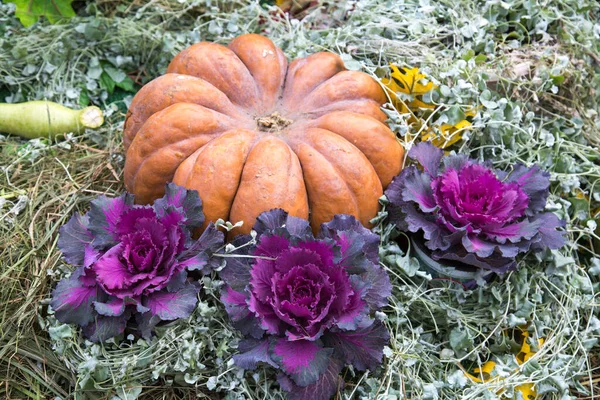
[[221, 130], [334, 162], [133, 119], [239, 182], [181, 142], [261, 182], [339, 174], [336, 170], [256, 87], [217, 173], [183, 181], [386, 158], [245, 48], [251, 145], [253, 78], [346, 105], [321, 84], [198, 60], [215, 135], [224, 77], [135, 179], [343, 85], [284, 84], [315, 224], [290, 87]]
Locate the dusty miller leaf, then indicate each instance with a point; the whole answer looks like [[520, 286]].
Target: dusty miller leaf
[[128, 393], [460, 340]]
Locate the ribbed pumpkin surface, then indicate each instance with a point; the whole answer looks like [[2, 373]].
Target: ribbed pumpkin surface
[[252, 133]]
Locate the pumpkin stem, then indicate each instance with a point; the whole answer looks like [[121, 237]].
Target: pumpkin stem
[[273, 122]]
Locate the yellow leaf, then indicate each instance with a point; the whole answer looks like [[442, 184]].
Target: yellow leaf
[[525, 353], [581, 195], [486, 369], [484, 372], [408, 81], [394, 88], [448, 134], [527, 391], [471, 112]]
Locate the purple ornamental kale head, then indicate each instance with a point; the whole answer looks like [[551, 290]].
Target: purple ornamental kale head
[[305, 303], [133, 262], [471, 213]]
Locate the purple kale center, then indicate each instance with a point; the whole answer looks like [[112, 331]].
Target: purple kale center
[[474, 197], [302, 291], [141, 254]]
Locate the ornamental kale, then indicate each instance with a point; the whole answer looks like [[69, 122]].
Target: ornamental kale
[[305, 303], [471, 213], [133, 261]]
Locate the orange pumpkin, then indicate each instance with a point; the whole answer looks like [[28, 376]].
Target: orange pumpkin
[[252, 133]]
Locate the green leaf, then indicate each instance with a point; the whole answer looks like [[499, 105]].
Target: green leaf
[[126, 84], [18, 52], [580, 207], [480, 59], [107, 83], [29, 11], [557, 79], [486, 99], [115, 74], [93, 30], [84, 98], [117, 97], [468, 55], [118, 76]]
